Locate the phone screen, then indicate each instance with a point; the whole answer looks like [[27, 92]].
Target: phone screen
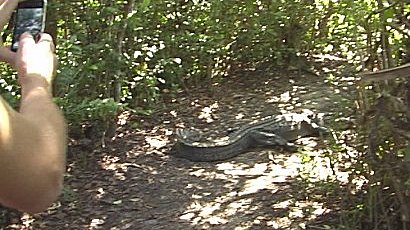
[[30, 19]]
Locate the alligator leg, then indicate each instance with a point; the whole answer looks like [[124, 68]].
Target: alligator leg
[[262, 138]]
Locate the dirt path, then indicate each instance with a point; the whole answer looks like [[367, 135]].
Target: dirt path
[[134, 184]]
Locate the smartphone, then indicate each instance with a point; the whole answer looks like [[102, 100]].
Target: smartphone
[[30, 17]]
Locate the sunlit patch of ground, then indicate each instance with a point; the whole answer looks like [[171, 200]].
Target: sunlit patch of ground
[[273, 177], [134, 184], [261, 189]]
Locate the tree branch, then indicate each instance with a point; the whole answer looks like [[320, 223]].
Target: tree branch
[[402, 71]]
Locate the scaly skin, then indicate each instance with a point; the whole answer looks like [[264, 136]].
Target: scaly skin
[[274, 131]]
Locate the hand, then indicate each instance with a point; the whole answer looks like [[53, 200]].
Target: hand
[[36, 58]]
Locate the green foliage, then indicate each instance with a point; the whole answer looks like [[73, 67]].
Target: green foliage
[[117, 55], [130, 51], [89, 110], [8, 85], [166, 43]]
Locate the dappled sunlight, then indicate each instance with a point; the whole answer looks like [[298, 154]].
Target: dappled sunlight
[[299, 94], [95, 223], [244, 186], [133, 74], [296, 98], [239, 116], [111, 163], [285, 97], [119, 168], [153, 140], [273, 191], [266, 188], [137, 184], [123, 118], [26, 221], [156, 142], [207, 112]]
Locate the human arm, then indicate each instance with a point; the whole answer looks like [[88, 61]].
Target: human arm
[[33, 140]]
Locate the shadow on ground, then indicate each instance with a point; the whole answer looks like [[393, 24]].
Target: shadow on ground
[[134, 184]]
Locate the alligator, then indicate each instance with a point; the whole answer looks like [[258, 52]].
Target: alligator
[[276, 130]]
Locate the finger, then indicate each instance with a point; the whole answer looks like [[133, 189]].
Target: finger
[[26, 41], [45, 37], [46, 40]]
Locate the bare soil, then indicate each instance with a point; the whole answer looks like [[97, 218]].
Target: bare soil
[[132, 183]]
